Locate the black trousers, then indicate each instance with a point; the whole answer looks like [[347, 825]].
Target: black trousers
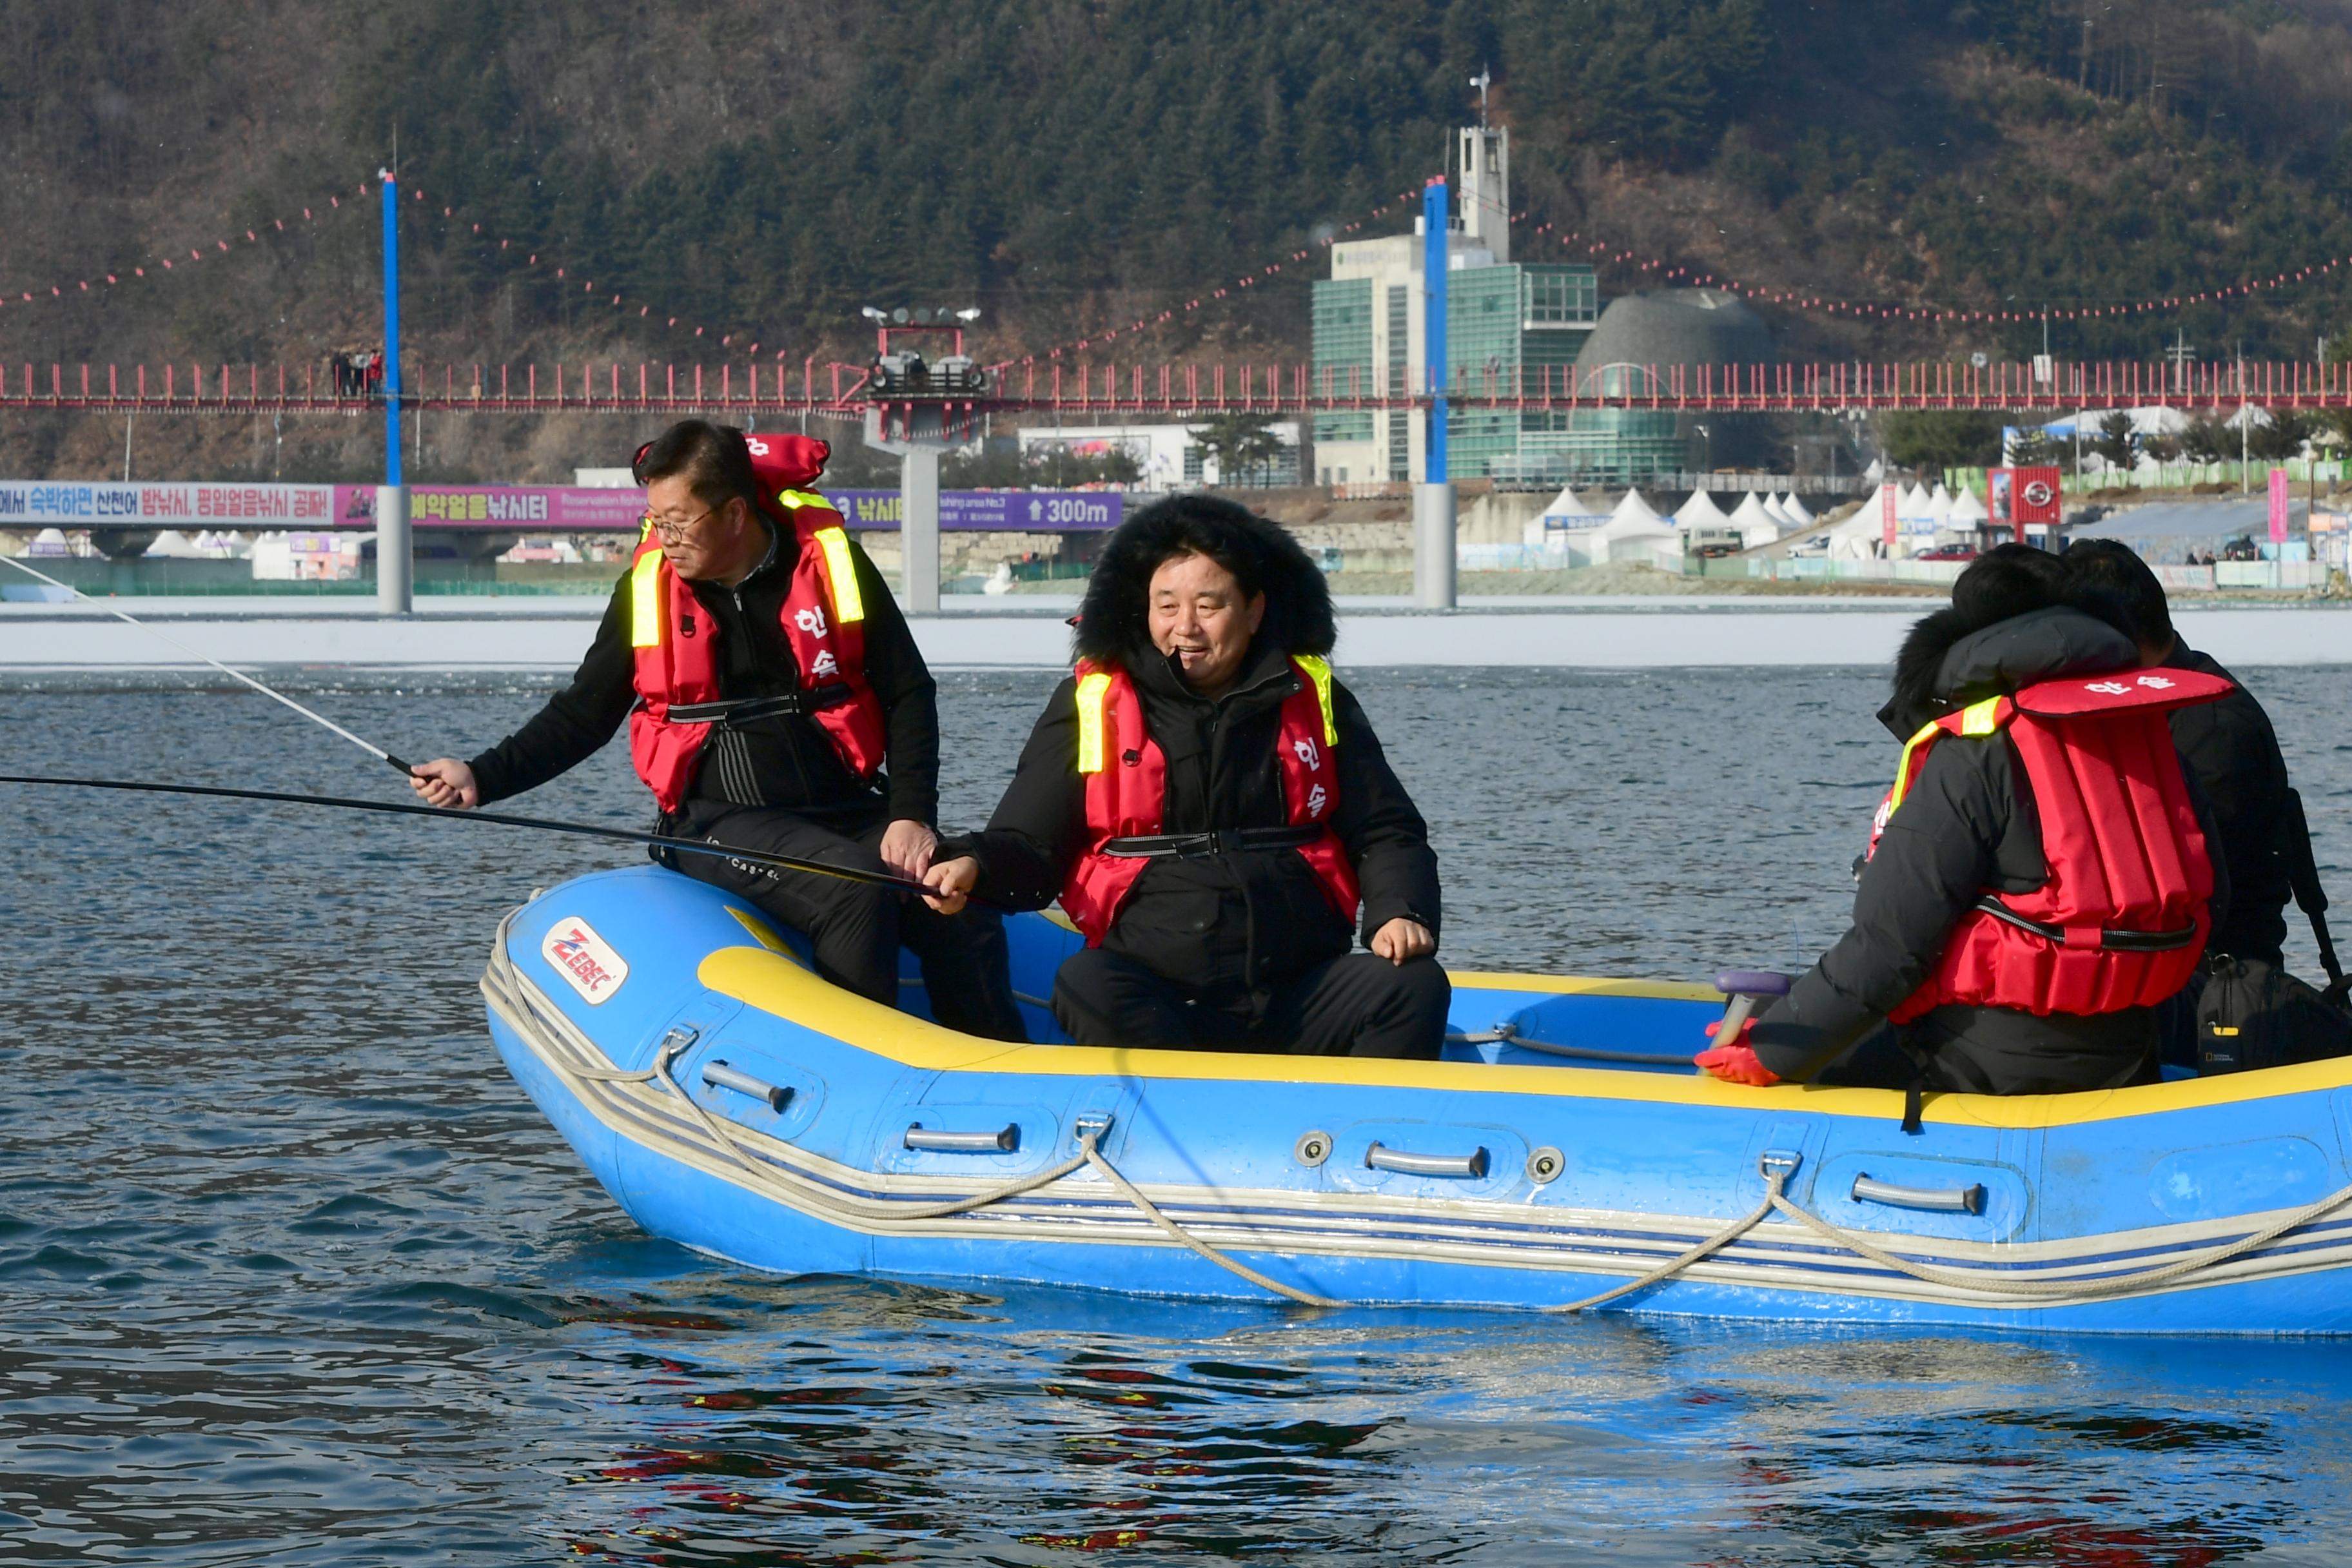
[[2011, 1062], [1359, 1005], [857, 928]]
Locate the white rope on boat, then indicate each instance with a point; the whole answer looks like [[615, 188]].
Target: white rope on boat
[[1774, 1178], [719, 1130], [1134, 1194], [1087, 1154], [1989, 1282]]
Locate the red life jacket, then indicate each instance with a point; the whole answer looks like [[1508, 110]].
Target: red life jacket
[[2122, 919], [1127, 790], [677, 653]]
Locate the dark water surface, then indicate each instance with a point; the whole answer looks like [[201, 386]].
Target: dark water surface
[[290, 1272]]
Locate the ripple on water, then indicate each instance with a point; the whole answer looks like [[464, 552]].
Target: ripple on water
[[293, 1274]]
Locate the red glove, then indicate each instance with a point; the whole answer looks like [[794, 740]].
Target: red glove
[[1735, 1062]]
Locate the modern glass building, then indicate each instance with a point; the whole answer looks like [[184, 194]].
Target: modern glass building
[[1509, 324], [1508, 321]]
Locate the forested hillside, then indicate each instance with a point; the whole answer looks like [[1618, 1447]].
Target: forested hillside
[[761, 171]]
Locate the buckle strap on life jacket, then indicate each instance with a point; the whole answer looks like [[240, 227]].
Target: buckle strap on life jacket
[[2091, 936], [1217, 841], [734, 712]]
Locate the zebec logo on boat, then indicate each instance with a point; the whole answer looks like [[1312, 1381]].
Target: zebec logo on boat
[[584, 959]]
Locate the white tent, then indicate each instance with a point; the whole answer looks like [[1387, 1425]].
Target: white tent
[[1699, 511], [1914, 501], [1858, 536], [1794, 510], [1939, 505], [49, 541], [1633, 508], [172, 546], [1567, 504], [1968, 512], [1755, 522], [1772, 504], [1636, 535], [1562, 524]]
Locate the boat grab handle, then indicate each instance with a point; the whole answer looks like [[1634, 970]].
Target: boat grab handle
[[1969, 1199], [1002, 1142], [1381, 1158], [718, 1075]]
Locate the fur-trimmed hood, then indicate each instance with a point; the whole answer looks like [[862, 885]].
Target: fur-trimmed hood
[[1975, 650], [2017, 616], [1112, 624]]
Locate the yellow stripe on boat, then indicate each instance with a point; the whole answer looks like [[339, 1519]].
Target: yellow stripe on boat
[[775, 984]]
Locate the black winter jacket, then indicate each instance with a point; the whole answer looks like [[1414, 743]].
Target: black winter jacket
[[2233, 754], [1226, 923], [1968, 824], [783, 762]]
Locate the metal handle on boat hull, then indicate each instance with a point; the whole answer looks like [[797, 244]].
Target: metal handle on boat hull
[[1003, 1141], [1936, 1200], [718, 1075], [1473, 1164]]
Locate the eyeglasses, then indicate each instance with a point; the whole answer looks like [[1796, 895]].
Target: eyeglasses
[[672, 533]]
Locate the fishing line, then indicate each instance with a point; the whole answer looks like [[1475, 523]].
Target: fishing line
[[499, 820], [368, 746]]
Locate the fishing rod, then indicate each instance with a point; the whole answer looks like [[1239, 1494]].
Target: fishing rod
[[498, 819], [369, 747]]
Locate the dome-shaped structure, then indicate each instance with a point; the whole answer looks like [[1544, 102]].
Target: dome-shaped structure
[[1690, 327]]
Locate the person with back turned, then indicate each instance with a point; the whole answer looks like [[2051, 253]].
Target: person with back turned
[[2233, 753], [776, 702], [1213, 811], [2039, 876]]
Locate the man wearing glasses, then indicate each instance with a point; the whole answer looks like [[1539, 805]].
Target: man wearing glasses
[[775, 701]]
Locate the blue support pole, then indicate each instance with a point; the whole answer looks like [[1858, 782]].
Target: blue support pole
[[394, 560], [1433, 502], [1436, 249], [392, 328]]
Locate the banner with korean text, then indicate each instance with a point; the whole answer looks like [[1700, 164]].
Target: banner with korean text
[[102, 503]]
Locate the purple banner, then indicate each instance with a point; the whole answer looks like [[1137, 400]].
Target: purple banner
[[991, 511], [531, 509], [97, 503], [570, 509]]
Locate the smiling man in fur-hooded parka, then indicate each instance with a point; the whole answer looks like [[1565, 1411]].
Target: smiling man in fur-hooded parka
[[1212, 810]]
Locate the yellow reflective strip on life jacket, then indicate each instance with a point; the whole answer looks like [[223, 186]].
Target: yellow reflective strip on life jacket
[[1320, 672], [1092, 690], [1903, 768], [1977, 719], [847, 605], [647, 608], [795, 500]]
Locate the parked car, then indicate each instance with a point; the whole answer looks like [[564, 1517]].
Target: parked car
[[1947, 552]]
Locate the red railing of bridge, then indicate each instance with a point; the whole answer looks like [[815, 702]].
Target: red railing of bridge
[[1115, 390]]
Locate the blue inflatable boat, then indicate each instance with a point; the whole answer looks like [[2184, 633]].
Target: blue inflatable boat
[[1564, 1155]]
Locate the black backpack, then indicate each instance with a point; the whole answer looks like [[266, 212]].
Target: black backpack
[[2253, 1013]]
